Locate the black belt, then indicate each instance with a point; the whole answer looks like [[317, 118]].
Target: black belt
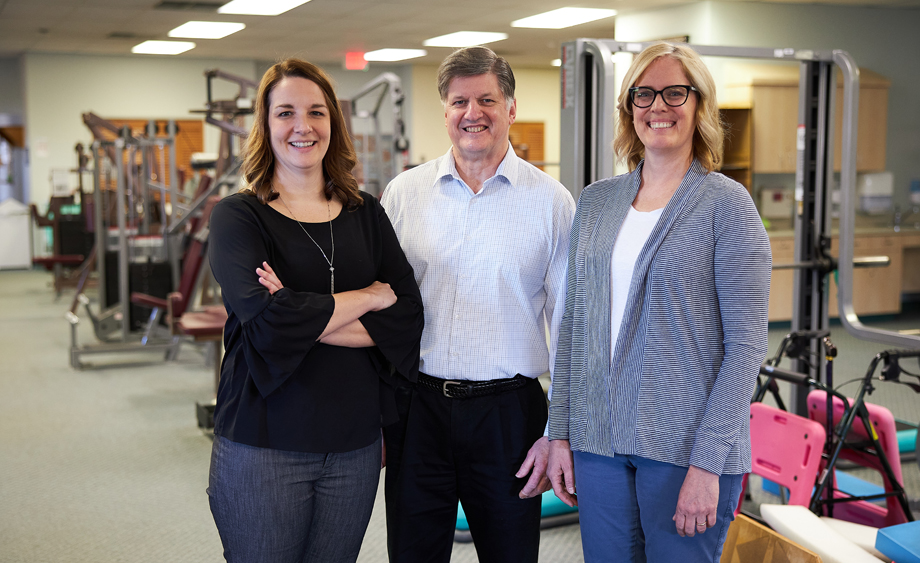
[[454, 389]]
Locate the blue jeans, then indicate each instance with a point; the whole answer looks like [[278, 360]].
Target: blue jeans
[[625, 505], [277, 506]]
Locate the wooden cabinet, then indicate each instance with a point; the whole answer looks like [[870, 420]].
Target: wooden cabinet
[[871, 124], [910, 272], [527, 140], [876, 291], [766, 136], [775, 113], [781, 280]]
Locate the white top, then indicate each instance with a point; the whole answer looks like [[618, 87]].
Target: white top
[[633, 234], [490, 265]]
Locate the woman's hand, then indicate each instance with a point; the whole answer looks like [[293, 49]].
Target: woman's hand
[[697, 502], [381, 295], [268, 278], [561, 471]]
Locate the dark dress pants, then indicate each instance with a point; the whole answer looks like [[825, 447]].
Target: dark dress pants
[[443, 450]]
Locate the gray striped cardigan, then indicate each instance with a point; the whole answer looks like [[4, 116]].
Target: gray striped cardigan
[[693, 336]]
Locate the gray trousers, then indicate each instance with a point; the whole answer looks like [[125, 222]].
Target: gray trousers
[[276, 506]]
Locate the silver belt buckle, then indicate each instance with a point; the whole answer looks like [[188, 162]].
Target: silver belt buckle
[[457, 383]]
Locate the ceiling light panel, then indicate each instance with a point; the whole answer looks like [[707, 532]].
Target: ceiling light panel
[[564, 17], [206, 30], [162, 47], [464, 39], [390, 55], [260, 7]]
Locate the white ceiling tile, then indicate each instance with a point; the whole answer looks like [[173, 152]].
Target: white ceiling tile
[[322, 30]]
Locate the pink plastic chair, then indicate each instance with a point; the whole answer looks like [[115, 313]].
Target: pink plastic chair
[[864, 512], [786, 449]]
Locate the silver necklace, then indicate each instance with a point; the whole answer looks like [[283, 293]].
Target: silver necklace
[[331, 237]]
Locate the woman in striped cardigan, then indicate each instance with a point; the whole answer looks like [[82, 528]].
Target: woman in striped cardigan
[[664, 330]]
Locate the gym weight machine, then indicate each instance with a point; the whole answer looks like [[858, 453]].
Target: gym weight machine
[[588, 107]]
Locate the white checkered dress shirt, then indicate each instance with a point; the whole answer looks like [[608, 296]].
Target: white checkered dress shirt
[[490, 266]]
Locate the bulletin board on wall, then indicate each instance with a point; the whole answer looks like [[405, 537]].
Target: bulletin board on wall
[[189, 140]]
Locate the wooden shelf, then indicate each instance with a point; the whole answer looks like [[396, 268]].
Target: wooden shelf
[[737, 152]]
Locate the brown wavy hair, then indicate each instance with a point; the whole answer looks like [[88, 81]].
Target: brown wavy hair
[[710, 133], [340, 159]]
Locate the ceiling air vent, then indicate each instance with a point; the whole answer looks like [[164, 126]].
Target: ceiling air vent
[[189, 6]]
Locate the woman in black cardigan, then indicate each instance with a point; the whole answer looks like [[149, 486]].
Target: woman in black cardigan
[[310, 364]]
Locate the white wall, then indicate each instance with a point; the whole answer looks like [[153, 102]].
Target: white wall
[[537, 92], [11, 98], [429, 138], [59, 88], [347, 83], [685, 19], [884, 40]]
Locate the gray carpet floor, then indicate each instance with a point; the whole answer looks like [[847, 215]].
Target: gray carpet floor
[[108, 465]]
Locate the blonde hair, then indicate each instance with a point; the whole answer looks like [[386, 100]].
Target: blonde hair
[[340, 159], [709, 134]]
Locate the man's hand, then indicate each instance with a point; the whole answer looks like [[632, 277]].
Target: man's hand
[[536, 460], [561, 471], [697, 502]]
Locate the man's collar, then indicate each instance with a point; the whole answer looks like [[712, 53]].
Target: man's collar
[[508, 168]]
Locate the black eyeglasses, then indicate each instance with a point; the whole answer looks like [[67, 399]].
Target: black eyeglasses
[[674, 96]]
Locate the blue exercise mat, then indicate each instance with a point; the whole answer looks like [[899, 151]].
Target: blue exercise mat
[[845, 482], [900, 543]]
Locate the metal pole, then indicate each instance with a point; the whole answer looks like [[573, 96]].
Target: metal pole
[[98, 222], [602, 156], [173, 171], [121, 202], [378, 158], [809, 296], [848, 316]]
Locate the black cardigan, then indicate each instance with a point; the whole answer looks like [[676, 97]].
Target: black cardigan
[[279, 387]]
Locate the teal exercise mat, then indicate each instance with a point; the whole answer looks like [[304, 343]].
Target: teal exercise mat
[[553, 513], [551, 506], [907, 440], [907, 436]]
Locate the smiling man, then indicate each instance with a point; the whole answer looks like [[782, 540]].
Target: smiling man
[[487, 235]]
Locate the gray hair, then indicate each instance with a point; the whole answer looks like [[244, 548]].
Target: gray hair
[[474, 61]]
